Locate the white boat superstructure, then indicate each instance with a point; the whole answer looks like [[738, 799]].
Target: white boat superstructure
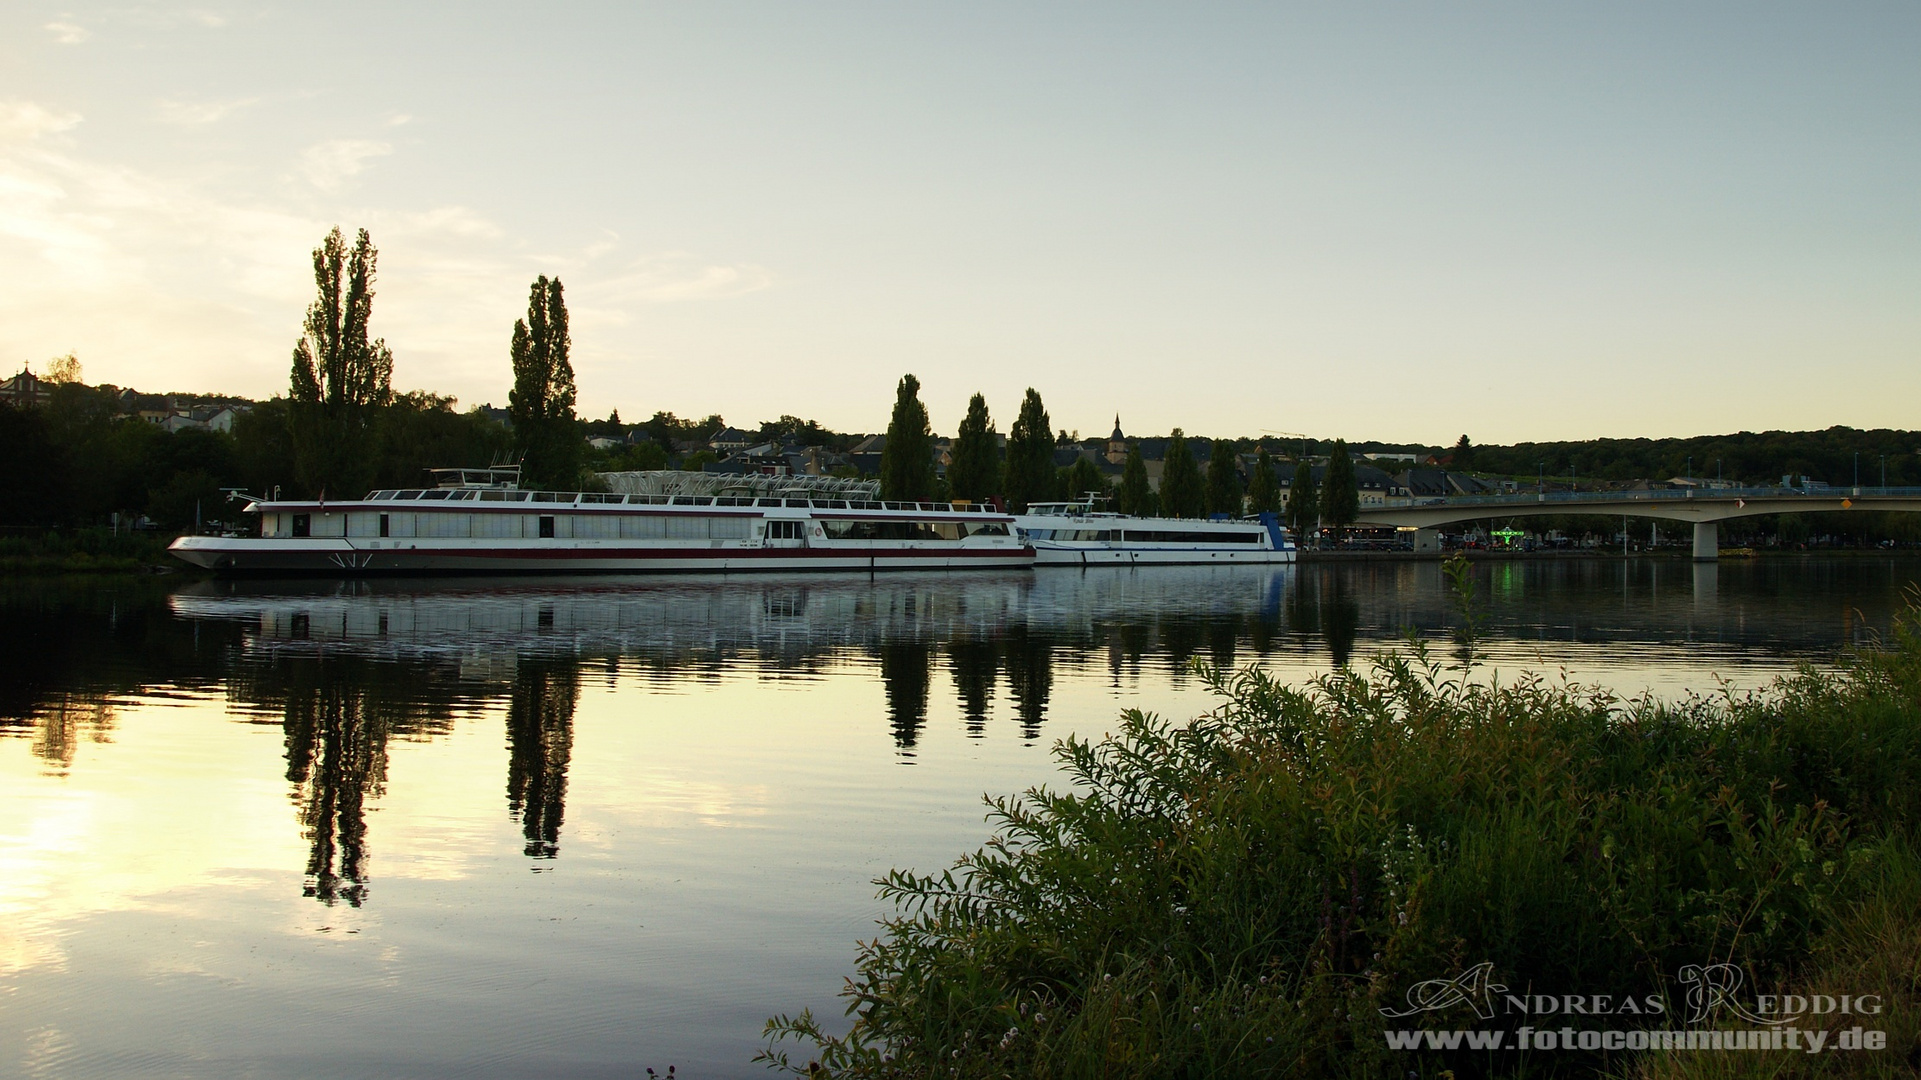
[[1079, 534], [470, 527]]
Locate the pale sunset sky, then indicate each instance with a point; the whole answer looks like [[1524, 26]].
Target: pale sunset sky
[[1397, 222]]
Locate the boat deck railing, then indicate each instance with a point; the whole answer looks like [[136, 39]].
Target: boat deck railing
[[602, 498]]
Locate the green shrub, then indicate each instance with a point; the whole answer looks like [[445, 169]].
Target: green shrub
[[1241, 894]]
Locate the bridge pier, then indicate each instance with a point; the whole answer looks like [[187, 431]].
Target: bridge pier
[[1707, 541]]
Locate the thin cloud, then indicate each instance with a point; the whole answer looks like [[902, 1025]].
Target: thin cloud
[[197, 113], [330, 164], [678, 278], [67, 33], [24, 121]]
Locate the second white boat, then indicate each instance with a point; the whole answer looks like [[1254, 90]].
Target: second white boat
[[1078, 534]]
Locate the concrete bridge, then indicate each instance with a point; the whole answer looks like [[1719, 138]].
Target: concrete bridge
[[1705, 508]]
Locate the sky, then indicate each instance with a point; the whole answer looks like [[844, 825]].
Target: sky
[[1391, 222]]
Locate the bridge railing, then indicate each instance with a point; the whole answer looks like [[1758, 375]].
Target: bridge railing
[[1670, 495]]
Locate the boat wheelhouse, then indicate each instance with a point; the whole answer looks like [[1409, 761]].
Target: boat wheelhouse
[[1078, 534], [485, 524]]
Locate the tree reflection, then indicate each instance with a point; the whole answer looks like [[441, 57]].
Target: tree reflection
[[337, 715], [906, 674], [974, 662], [540, 741], [59, 726], [1340, 620], [336, 759], [1030, 677]]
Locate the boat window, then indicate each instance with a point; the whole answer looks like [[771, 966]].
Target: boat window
[[797, 502], [406, 494], [438, 493], [546, 526], [516, 496], [385, 526], [493, 496], [1171, 536], [988, 528], [303, 525]]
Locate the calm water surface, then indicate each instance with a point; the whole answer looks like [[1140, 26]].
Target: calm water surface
[[575, 828]]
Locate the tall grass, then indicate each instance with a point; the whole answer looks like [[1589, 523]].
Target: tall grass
[[1241, 894]]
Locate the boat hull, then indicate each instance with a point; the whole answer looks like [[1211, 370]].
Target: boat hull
[[337, 556], [1050, 553]]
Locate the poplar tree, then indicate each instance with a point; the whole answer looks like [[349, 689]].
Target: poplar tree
[[1223, 481], [907, 460], [1029, 476], [1182, 495], [1264, 487], [546, 431], [1340, 493], [1136, 497], [1082, 478], [339, 377], [974, 472], [1303, 502]]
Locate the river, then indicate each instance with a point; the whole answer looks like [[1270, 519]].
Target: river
[[581, 827]]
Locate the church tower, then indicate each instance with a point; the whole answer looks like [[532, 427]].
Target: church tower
[[1116, 444]]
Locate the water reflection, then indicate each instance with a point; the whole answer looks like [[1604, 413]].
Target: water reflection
[[343, 668], [336, 760], [906, 675], [540, 742], [974, 663]]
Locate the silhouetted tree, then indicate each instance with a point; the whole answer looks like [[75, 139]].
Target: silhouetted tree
[[907, 461], [1303, 502], [1264, 487], [1030, 456], [542, 400], [1223, 481], [1082, 478], [1182, 495], [1136, 495], [1340, 492], [339, 376], [1463, 456], [974, 473]]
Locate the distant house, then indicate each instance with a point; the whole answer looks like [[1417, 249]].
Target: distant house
[[26, 390], [1376, 488], [730, 441], [1440, 483]]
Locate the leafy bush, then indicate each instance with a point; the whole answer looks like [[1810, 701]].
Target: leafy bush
[[1241, 894]]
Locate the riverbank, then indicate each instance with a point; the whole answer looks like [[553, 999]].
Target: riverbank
[[85, 551], [1276, 886]]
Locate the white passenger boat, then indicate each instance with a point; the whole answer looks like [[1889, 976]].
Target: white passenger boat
[[1078, 534], [483, 524]]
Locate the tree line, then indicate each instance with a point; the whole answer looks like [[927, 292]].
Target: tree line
[[341, 429], [1027, 474]]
